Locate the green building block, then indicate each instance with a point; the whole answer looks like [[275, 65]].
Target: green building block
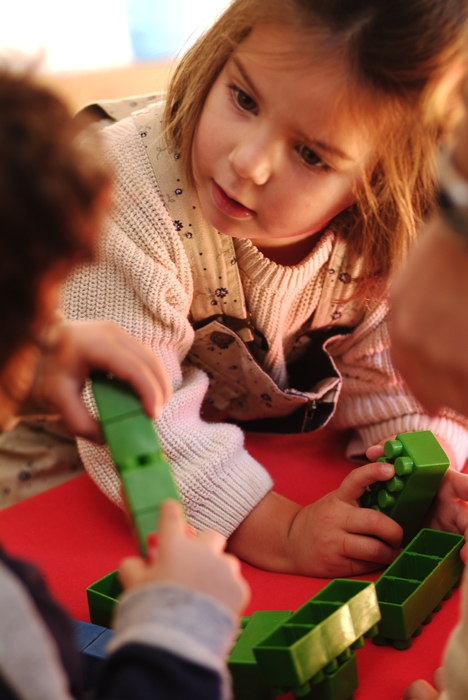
[[134, 446], [420, 465], [415, 585], [102, 597], [339, 682], [361, 600], [294, 656], [248, 680], [114, 398]]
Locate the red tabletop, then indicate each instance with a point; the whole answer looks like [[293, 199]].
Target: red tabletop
[[76, 535]]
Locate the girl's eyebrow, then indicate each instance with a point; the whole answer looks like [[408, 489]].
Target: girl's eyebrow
[[244, 74], [334, 150], [328, 147]]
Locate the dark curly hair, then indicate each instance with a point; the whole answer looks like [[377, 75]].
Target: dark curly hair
[[49, 184]]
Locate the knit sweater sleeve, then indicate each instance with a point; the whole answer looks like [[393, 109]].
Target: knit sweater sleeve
[[375, 400], [142, 280]]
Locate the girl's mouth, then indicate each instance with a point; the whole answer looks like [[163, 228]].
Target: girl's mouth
[[229, 206]]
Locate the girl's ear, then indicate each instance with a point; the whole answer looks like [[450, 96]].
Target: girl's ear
[[446, 97]]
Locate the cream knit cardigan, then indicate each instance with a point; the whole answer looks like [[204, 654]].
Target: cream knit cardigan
[[143, 281]]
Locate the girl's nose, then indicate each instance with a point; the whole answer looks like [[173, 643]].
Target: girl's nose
[[254, 158]]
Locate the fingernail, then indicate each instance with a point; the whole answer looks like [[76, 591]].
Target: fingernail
[[387, 469]]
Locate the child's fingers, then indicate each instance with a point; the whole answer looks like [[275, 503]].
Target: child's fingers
[[420, 690], [375, 451], [131, 570], [459, 483], [213, 540], [144, 372], [354, 485], [439, 679], [75, 415], [109, 348], [364, 548], [379, 529], [171, 524]]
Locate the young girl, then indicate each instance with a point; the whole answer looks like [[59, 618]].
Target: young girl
[[52, 198], [259, 214]]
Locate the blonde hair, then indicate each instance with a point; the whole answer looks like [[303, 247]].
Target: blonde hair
[[399, 51]]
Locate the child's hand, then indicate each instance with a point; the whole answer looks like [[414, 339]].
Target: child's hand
[[196, 562], [331, 537], [73, 350], [336, 537], [422, 690], [449, 509]]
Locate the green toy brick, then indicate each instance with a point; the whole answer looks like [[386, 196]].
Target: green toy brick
[[132, 442], [420, 465], [143, 524], [249, 682], [146, 487], [416, 583], [102, 598], [114, 398], [338, 683], [134, 446], [294, 653], [361, 599], [316, 635]]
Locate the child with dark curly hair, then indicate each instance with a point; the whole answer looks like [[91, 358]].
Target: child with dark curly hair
[[178, 616]]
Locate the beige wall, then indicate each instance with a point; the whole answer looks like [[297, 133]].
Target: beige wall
[[81, 88]]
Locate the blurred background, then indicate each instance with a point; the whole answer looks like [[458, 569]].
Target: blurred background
[[95, 49]]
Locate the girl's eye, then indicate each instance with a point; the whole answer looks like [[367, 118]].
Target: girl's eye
[[310, 157], [243, 100]]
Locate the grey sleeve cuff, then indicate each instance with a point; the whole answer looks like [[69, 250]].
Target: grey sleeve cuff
[[179, 620]]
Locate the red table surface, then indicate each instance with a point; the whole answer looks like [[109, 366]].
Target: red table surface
[[76, 535]]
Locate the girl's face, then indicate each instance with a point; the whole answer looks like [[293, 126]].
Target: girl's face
[[278, 148]]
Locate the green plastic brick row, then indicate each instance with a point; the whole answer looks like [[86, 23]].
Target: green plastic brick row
[[308, 649]]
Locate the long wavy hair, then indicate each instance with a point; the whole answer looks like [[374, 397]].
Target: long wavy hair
[[398, 51]]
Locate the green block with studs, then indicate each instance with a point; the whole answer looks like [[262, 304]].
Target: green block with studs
[[420, 465]]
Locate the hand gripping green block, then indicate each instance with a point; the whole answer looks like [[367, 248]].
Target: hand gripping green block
[[415, 584], [420, 465], [134, 446], [318, 634]]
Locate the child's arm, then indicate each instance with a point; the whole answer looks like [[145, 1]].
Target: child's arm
[[177, 620], [72, 350], [332, 537]]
